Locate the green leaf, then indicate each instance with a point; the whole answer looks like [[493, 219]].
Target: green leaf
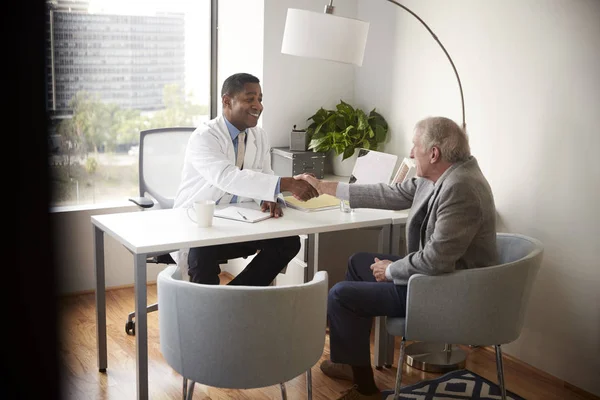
[[320, 145], [345, 108], [348, 152], [363, 121], [380, 133], [370, 132]]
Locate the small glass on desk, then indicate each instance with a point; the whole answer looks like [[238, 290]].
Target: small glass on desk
[[345, 206]]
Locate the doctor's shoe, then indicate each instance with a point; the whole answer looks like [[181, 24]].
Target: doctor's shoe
[[354, 394], [336, 370]]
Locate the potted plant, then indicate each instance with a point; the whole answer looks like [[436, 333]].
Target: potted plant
[[344, 130]]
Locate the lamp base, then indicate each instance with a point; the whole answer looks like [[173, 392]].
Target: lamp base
[[432, 357]]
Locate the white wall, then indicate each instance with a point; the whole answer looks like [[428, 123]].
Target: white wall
[[240, 40], [531, 77], [294, 87], [73, 241]]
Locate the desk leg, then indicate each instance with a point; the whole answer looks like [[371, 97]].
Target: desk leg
[[398, 240], [141, 325], [384, 343], [100, 299], [312, 263]]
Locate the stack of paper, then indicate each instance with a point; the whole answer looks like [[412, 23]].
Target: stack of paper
[[323, 202]]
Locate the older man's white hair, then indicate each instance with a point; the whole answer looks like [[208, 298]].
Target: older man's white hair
[[446, 135]]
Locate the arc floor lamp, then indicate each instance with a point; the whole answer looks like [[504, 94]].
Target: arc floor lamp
[[330, 37]]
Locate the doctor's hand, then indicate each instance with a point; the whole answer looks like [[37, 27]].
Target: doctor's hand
[[311, 179], [301, 190], [272, 207], [378, 268]]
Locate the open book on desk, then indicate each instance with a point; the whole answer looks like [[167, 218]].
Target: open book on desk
[[323, 202], [244, 214]]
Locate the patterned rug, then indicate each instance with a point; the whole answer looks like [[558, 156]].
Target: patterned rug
[[461, 384]]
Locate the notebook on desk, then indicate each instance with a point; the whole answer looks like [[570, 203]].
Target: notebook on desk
[[323, 202], [243, 214]]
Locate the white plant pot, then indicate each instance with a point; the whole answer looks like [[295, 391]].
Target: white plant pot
[[342, 168]]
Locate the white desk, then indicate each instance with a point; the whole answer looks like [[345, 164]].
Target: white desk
[[152, 232]]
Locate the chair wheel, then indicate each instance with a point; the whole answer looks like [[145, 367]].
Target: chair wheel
[[130, 328], [378, 368], [388, 365]]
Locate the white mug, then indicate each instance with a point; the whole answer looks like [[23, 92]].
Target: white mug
[[204, 210]]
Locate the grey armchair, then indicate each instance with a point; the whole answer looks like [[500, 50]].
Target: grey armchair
[[241, 337], [482, 306]]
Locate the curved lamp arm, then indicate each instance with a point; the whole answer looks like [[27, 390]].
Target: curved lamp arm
[[462, 99]]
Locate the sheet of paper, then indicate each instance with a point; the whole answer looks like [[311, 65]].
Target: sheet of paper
[[373, 167]]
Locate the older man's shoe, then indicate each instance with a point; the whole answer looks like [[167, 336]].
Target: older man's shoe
[[336, 370], [354, 394]]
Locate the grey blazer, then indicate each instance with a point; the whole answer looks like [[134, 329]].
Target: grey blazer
[[451, 225]]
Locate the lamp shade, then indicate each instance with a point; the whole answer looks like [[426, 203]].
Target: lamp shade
[[324, 36]]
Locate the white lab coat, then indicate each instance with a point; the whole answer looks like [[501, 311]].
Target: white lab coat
[[209, 171]]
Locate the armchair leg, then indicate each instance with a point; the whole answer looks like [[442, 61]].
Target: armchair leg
[[399, 373], [188, 393], [500, 370], [309, 384], [283, 391]]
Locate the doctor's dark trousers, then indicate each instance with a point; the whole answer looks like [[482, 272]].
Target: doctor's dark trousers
[[273, 256], [353, 303]]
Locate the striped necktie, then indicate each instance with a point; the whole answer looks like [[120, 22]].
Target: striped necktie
[[241, 150], [239, 160]]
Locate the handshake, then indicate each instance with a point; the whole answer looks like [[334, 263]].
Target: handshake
[[304, 186]]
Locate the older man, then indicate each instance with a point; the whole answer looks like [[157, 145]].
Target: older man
[[451, 225]]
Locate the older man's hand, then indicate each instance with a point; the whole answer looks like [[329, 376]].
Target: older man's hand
[[378, 268]]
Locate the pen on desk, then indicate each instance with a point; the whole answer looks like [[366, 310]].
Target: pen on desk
[[243, 216]]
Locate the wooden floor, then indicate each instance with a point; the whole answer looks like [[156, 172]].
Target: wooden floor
[[81, 379]]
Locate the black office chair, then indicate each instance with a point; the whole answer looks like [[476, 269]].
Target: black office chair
[[161, 156]]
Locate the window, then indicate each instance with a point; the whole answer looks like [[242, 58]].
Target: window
[[142, 65]]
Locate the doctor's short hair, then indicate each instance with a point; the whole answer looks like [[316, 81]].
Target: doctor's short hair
[[235, 83], [447, 136]]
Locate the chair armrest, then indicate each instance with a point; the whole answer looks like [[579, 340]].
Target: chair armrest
[[432, 306], [143, 202], [473, 307]]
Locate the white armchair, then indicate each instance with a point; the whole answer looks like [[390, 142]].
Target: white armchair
[[482, 306], [241, 337]]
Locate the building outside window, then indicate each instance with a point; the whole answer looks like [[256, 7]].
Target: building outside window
[[115, 68]]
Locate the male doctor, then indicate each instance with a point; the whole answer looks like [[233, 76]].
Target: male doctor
[[228, 160]]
